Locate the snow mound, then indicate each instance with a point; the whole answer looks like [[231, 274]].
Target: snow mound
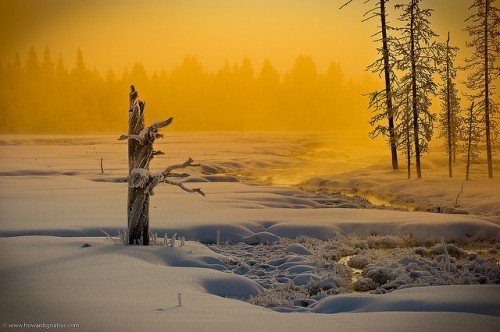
[[297, 269], [469, 298], [261, 238], [305, 279], [232, 286], [297, 249]]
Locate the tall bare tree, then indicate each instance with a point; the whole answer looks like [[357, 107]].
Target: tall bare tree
[[483, 32], [141, 181], [381, 101], [470, 139], [418, 54], [449, 118]]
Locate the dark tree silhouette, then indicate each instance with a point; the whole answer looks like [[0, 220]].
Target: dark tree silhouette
[[418, 55], [140, 181], [483, 33], [381, 101], [449, 119]]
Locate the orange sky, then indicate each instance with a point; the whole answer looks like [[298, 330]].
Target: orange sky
[[160, 33]]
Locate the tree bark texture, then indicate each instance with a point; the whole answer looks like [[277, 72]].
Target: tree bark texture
[[138, 158]]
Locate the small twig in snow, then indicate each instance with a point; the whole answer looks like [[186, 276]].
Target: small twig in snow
[[107, 235]]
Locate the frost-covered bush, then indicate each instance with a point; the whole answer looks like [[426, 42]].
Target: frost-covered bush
[[280, 295], [449, 249], [421, 251], [358, 262], [364, 285]]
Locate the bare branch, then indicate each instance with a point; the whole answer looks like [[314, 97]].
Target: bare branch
[[178, 175], [345, 4], [187, 163], [158, 153], [180, 185]]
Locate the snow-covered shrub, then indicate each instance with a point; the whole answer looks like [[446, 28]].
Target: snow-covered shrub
[[450, 248], [280, 295], [364, 285], [421, 251], [358, 262]]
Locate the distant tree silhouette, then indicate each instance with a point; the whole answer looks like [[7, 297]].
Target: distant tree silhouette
[[449, 119], [302, 89], [381, 101], [418, 54], [46, 95], [268, 94], [47, 64], [32, 63], [80, 64], [483, 32]]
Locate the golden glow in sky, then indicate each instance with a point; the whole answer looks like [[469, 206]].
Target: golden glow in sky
[[161, 33]]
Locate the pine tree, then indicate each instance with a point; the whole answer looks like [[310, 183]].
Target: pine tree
[[449, 123], [483, 33], [417, 54], [381, 101]]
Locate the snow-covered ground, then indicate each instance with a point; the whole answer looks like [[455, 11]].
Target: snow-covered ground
[[53, 199]]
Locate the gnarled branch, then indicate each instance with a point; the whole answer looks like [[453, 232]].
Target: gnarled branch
[[163, 177]]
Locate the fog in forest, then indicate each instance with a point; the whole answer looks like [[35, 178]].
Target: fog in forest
[[220, 65]]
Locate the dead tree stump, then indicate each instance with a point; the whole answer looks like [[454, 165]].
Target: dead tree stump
[[141, 181]]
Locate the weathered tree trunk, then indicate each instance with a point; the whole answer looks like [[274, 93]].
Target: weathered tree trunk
[[487, 92], [388, 89], [414, 92], [140, 181], [138, 158], [448, 108]]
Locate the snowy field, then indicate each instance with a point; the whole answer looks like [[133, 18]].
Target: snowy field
[[328, 257]]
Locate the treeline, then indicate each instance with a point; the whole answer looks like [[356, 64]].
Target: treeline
[[42, 95], [418, 65]]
